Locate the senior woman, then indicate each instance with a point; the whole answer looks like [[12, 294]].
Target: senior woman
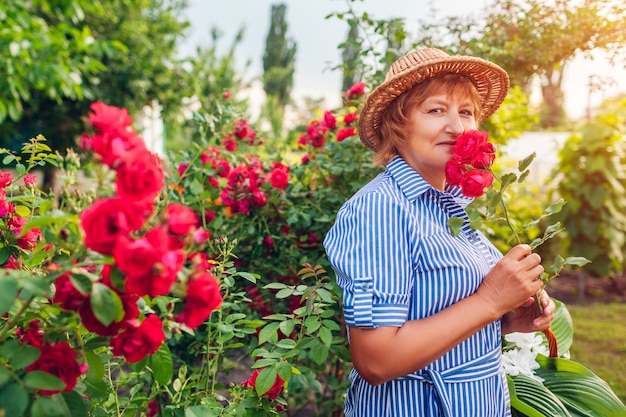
[[426, 310]]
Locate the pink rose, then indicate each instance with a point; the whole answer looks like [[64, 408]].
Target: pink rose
[[356, 90], [329, 120], [66, 295], [113, 144], [349, 118], [139, 339]]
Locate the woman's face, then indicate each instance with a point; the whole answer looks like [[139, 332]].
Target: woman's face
[[433, 127]]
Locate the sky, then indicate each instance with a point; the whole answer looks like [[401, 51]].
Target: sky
[[317, 39]]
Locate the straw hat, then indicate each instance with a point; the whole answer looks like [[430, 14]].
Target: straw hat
[[491, 81]]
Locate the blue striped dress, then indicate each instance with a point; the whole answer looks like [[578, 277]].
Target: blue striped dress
[[396, 260]]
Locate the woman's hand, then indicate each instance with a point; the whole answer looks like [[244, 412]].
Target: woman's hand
[[512, 281], [528, 317]]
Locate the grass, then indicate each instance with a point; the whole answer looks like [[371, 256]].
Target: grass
[[600, 342]]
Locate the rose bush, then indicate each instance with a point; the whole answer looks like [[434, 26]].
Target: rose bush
[[200, 289]]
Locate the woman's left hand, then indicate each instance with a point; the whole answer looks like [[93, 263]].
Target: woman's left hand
[[528, 317]]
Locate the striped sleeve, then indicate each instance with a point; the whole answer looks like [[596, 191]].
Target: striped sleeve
[[369, 249]]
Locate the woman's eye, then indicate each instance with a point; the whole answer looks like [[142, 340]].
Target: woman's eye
[[467, 112], [437, 110]]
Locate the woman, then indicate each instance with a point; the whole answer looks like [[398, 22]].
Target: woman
[[426, 310]]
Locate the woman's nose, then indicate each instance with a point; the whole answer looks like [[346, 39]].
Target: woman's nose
[[455, 125]]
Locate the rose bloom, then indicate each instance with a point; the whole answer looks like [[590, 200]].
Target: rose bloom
[[485, 157], [5, 179], [344, 133], [229, 144], [203, 296], [468, 145], [30, 238], [273, 392], [474, 182], [140, 176], [279, 177], [106, 117], [181, 220], [113, 144], [357, 90], [30, 180], [139, 339], [58, 359], [66, 294], [149, 263], [454, 172], [329, 120], [349, 118], [108, 219]]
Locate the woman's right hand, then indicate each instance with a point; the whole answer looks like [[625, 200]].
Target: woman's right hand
[[512, 280]]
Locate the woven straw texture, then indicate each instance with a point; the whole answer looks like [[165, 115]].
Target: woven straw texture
[[491, 81]]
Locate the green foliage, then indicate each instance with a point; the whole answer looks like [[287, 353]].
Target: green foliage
[[592, 180]]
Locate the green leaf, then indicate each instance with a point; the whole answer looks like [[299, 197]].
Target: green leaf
[[525, 163], [319, 353], [455, 224], [325, 336], [24, 356], [265, 380], [4, 375], [75, 404], [47, 407], [284, 370], [562, 327], [530, 397], [106, 304], [8, 293], [162, 365], [201, 411], [576, 261], [13, 400], [275, 286], [95, 371], [269, 333], [43, 380], [287, 326], [555, 207], [248, 276], [578, 387]]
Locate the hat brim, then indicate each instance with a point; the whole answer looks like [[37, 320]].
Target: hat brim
[[491, 81]]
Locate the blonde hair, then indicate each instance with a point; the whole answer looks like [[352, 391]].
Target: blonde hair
[[394, 123]]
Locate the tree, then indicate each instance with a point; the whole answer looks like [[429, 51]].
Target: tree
[[278, 66], [131, 62], [352, 73]]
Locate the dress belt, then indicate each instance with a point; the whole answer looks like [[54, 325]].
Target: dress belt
[[482, 367]]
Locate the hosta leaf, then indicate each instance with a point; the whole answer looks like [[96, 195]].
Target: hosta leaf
[[532, 398], [579, 388]]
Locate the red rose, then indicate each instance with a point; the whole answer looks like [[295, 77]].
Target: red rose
[[468, 145], [59, 360], [108, 219], [344, 133], [229, 144], [329, 120], [136, 257], [161, 277], [279, 177], [203, 296], [181, 220], [91, 323], [357, 90], [113, 144], [349, 118], [140, 176], [454, 172], [139, 339], [109, 117], [474, 182], [273, 392], [30, 238], [66, 295]]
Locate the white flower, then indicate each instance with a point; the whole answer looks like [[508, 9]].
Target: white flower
[[521, 352]]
